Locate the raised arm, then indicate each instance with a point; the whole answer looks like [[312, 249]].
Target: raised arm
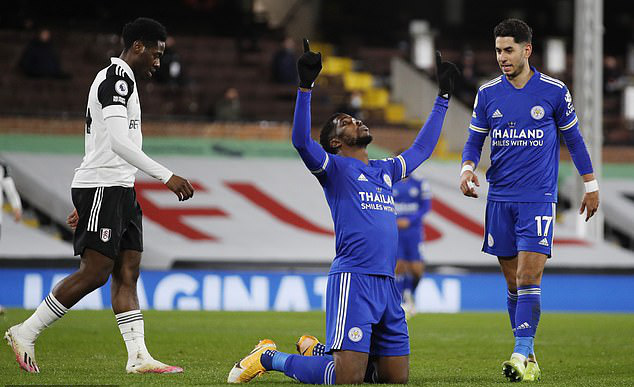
[[314, 156], [427, 138]]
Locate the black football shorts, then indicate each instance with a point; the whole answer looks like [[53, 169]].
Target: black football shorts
[[110, 220]]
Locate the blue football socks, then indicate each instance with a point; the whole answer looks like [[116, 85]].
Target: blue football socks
[[527, 318], [511, 305], [306, 369]]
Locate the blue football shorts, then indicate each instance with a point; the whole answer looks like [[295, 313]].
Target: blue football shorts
[[409, 245], [364, 314], [511, 227]]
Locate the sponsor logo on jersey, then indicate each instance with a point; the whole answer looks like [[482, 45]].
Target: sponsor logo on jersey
[[355, 334], [496, 114], [105, 234], [121, 87], [413, 192], [517, 137], [544, 242], [490, 240], [518, 133], [537, 112], [362, 177], [376, 201]]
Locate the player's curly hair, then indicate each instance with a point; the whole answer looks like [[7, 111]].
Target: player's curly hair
[[147, 30], [518, 29], [327, 133]]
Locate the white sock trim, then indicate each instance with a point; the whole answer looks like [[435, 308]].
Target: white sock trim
[[129, 316], [55, 306]]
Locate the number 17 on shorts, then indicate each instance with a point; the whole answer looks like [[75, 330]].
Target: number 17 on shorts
[[511, 227]]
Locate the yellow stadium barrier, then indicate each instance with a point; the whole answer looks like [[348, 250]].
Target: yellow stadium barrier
[[375, 98], [326, 49], [336, 65], [357, 81]]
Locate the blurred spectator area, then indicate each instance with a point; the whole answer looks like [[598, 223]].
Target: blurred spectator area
[[213, 64]]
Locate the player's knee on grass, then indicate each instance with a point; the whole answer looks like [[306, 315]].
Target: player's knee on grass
[[350, 367], [393, 369]]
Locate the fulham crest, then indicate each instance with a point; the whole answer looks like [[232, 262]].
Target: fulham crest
[[105, 234]]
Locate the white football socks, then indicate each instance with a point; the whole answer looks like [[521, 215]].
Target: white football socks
[[49, 311], [131, 327]]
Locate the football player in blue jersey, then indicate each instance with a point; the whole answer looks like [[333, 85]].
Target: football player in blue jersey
[[524, 112], [412, 198], [364, 319]]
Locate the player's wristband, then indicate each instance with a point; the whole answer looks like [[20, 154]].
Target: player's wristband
[[591, 186], [466, 167]]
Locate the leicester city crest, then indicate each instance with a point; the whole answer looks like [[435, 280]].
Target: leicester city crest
[[387, 180], [537, 112]]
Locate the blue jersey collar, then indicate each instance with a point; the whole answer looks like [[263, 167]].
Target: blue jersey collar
[[533, 79]]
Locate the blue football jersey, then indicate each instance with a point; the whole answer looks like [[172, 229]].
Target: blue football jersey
[[362, 208], [412, 198], [523, 125]]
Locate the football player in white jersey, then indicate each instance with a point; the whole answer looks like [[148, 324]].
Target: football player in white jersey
[[107, 218]]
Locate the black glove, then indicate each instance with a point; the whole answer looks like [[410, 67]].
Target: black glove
[[308, 67], [446, 73]]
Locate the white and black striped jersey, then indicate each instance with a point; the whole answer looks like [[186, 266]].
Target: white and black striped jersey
[[113, 93]]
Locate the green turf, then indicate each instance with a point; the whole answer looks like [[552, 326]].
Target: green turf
[[460, 349]]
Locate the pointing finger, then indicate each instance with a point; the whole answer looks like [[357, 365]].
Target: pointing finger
[[306, 45]]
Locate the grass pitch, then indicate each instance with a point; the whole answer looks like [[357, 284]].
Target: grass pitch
[[465, 349]]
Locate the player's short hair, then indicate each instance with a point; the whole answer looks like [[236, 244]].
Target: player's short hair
[[147, 30], [516, 28], [327, 133]]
